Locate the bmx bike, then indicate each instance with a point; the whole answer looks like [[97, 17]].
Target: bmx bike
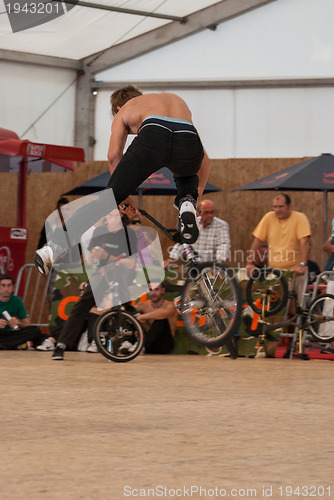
[[267, 292], [210, 306]]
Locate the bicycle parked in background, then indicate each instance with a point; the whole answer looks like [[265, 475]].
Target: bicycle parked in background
[[268, 292]]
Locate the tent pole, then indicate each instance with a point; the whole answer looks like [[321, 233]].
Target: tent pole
[[325, 225], [22, 194], [325, 215]]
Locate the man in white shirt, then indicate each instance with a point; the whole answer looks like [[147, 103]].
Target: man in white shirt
[[213, 243]]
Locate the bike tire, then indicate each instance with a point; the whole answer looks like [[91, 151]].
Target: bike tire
[[264, 281], [211, 304], [112, 329], [320, 319]]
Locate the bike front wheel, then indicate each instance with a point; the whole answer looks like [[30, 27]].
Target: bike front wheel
[[118, 335], [321, 318], [211, 304]]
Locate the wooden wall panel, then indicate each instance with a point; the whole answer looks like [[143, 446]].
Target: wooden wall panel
[[8, 194], [241, 209]]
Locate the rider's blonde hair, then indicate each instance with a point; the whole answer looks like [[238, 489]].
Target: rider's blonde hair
[[121, 96]]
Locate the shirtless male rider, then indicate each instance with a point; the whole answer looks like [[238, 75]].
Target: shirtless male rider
[[166, 137]]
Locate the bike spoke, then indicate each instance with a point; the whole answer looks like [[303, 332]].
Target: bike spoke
[[211, 305], [118, 335]]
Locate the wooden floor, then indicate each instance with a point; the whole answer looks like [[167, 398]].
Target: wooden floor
[[86, 428]]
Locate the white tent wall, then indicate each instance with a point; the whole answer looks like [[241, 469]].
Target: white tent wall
[[284, 39], [249, 123], [38, 102]]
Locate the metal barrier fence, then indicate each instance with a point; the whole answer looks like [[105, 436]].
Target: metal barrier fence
[[33, 289]]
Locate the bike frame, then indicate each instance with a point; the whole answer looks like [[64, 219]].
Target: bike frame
[[205, 283]]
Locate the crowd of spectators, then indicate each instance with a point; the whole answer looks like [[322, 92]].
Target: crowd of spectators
[[281, 240]]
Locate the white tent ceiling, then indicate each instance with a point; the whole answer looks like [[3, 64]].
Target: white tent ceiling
[[84, 31], [89, 39], [287, 45]]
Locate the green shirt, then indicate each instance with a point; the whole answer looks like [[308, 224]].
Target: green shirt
[[14, 307]]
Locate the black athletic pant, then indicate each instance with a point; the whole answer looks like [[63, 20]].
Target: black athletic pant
[[13, 338], [153, 148], [75, 323]]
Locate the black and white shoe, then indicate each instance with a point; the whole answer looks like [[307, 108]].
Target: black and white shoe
[[188, 221], [58, 354], [43, 260]]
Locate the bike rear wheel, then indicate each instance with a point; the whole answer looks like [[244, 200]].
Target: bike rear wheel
[[269, 285], [321, 318], [211, 304], [118, 335]]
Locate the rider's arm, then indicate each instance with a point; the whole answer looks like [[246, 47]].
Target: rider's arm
[[119, 134]]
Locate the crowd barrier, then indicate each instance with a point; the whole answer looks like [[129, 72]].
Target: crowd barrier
[[32, 287]]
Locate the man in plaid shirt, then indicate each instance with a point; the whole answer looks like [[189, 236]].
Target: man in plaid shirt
[[213, 243]]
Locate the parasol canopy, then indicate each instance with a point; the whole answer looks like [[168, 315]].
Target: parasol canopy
[[316, 174], [159, 183]]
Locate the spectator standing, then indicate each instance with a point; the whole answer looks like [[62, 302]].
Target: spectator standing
[[287, 234]]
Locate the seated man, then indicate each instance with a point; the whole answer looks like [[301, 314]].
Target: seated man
[[159, 318], [15, 326]]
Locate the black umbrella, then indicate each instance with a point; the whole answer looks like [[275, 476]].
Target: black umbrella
[[159, 183], [316, 174]]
